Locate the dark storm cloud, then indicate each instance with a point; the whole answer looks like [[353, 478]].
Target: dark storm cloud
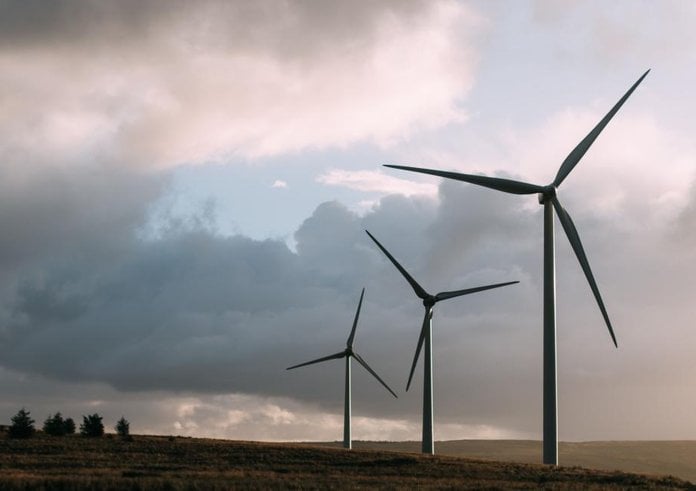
[[34, 23], [195, 311], [190, 310], [83, 213], [286, 28]]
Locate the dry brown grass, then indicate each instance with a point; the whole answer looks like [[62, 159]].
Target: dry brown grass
[[186, 463], [677, 458]]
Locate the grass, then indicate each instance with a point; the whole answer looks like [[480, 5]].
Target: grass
[[159, 463], [677, 458]]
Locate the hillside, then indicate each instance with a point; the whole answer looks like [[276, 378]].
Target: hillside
[[676, 458], [150, 462]]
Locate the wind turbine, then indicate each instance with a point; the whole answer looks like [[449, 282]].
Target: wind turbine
[[348, 353], [549, 199], [429, 301]]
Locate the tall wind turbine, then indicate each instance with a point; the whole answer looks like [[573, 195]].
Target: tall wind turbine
[[549, 199], [348, 353], [429, 301]]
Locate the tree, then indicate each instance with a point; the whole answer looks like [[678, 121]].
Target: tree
[[22, 425], [123, 428], [92, 426], [69, 426], [54, 425]]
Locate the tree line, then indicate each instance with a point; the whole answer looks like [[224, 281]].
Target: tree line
[[55, 425]]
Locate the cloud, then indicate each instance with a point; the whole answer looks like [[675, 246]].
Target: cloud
[[103, 293], [85, 213], [87, 298], [377, 182], [279, 184], [611, 177], [150, 87], [192, 311], [168, 312], [607, 37], [235, 416], [96, 276], [220, 318]]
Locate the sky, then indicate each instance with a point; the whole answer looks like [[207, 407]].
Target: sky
[[185, 189]]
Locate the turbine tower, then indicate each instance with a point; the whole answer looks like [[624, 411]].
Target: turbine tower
[[348, 353], [549, 199], [429, 301]]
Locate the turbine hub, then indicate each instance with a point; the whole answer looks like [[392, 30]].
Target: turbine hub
[[548, 193], [429, 301]]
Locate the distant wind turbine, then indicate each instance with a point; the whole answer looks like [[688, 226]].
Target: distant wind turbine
[[429, 301], [348, 353], [548, 197]]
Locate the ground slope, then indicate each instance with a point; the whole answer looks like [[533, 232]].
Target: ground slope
[[676, 458], [185, 463]]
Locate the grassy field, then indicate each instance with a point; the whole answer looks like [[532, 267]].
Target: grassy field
[[677, 458], [150, 462]]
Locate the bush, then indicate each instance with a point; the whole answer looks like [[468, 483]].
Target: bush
[[22, 425], [54, 425], [123, 428], [69, 426], [92, 426]]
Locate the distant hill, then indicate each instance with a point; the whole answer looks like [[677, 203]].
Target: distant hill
[[173, 463]]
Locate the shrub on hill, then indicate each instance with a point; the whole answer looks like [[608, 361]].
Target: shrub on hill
[[92, 426], [69, 426], [22, 425], [54, 425], [123, 429]]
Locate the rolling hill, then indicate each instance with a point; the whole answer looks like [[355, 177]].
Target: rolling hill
[[172, 463]]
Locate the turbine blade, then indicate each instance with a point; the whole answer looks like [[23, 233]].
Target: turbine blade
[[319, 360], [374, 374], [414, 284], [574, 157], [355, 321], [574, 239], [446, 295], [497, 183], [419, 346]]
